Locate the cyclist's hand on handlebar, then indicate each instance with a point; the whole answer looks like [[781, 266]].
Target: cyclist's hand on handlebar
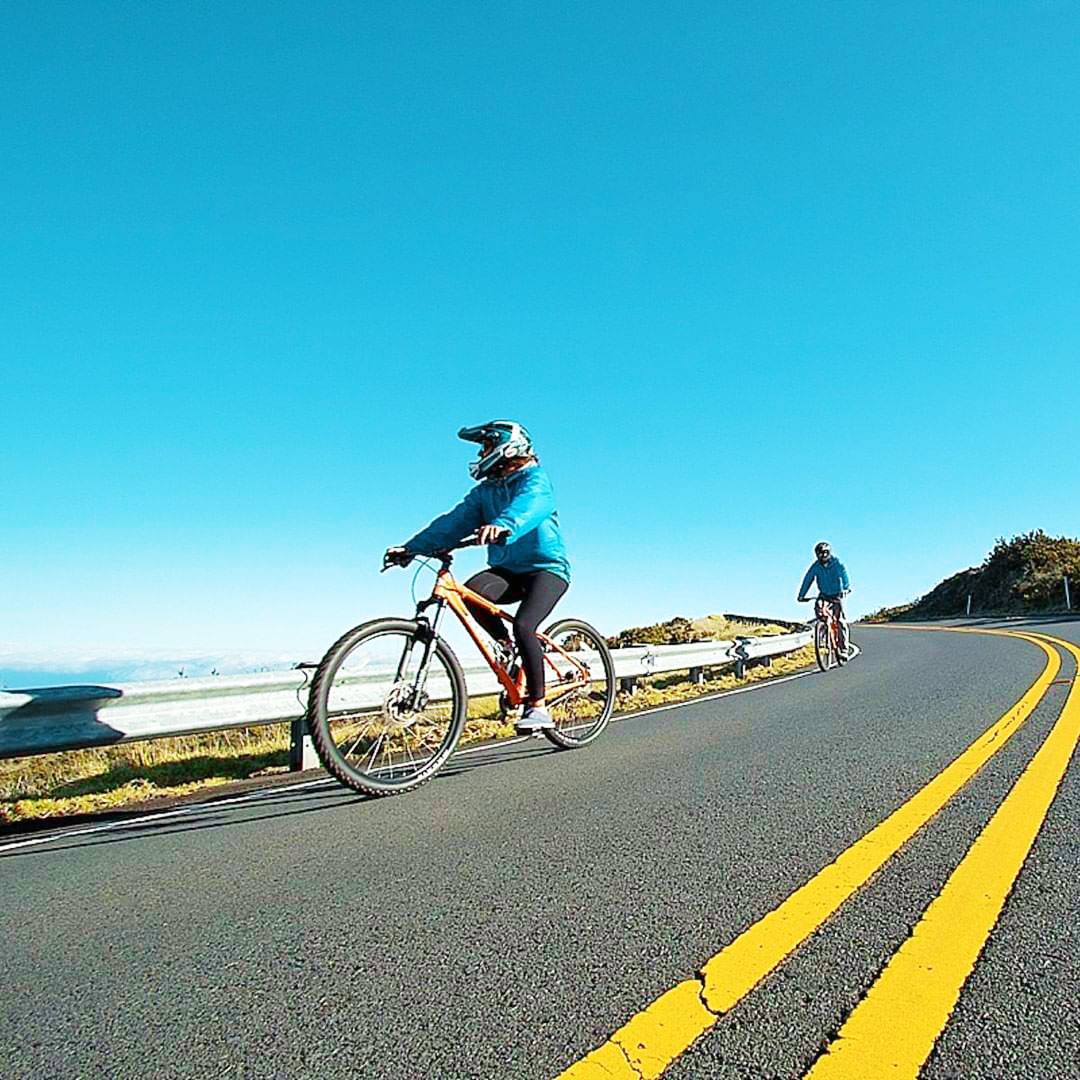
[[396, 556], [803, 599], [491, 534]]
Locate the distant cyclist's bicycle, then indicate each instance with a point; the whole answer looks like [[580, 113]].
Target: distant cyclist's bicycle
[[829, 634], [388, 702]]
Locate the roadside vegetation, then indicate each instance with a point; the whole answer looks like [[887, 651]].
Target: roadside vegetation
[[91, 781], [1019, 576], [681, 631]]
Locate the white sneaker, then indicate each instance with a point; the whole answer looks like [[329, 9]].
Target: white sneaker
[[536, 718]]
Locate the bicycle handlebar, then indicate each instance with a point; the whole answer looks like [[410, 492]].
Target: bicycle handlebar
[[472, 540], [444, 556]]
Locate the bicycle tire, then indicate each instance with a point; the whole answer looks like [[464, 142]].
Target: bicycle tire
[[605, 697], [319, 717], [822, 645]]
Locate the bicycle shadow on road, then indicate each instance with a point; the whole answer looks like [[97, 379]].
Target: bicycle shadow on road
[[221, 812], [502, 752], [195, 819]]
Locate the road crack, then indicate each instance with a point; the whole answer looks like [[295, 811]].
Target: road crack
[[629, 1062]]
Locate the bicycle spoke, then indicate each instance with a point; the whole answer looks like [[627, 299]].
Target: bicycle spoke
[[581, 690], [361, 733], [379, 729], [375, 748], [352, 747]]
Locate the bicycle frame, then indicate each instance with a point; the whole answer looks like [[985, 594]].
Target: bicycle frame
[[449, 593], [826, 612]]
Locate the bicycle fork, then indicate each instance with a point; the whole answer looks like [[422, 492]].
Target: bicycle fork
[[428, 632]]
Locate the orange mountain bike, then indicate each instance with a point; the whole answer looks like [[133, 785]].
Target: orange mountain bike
[[831, 641], [388, 702]]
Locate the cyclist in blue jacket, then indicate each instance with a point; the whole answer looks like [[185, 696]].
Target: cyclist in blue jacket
[[512, 510], [833, 585]]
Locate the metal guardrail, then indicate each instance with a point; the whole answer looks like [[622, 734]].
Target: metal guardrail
[[80, 717]]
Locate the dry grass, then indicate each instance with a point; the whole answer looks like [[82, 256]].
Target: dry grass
[[84, 781], [88, 781], [667, 689], [721, 628]]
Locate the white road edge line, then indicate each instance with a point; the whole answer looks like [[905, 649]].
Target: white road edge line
[[254, 796]]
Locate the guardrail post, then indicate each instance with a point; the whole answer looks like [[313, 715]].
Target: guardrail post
[[697, 676], [628, 684], [302, 754], [740, 668]]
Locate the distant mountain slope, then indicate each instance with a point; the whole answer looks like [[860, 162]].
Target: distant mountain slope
[[1020, 575], [680, 631]]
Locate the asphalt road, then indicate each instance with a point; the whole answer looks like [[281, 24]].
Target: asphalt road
[[509, 917]]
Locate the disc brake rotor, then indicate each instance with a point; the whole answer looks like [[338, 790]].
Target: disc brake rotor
[[400, 711]]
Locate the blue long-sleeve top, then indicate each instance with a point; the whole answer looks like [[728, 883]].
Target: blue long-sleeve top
[[522, 503], [832, 578]]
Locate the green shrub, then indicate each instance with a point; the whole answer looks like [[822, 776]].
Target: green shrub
[[1020, 575]]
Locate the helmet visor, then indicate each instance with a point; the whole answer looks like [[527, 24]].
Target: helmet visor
[[478, 434]]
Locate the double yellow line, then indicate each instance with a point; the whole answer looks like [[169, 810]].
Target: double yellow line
[[892, 1031]]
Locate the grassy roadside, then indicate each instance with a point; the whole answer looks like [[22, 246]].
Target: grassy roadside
[[90, 781]]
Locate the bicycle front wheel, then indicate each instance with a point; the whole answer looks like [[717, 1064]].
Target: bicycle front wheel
[[823, 650], [381, 720], [581, 683]]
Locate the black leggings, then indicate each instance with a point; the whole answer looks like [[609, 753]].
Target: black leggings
[[539, 593]]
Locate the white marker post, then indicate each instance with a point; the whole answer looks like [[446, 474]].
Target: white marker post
[[1068, 598], [969, 604]]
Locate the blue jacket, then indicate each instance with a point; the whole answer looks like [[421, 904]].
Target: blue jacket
[[522, 502], [831, 578]]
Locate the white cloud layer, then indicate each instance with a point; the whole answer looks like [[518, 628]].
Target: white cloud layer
[[140, 666]]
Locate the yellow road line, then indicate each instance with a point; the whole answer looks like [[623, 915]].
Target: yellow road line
[[649, 1042], [893, 1029]]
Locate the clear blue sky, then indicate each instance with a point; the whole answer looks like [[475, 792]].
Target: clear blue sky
[[753, 274]]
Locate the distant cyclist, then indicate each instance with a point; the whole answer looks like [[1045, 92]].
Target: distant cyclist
[[833, 585], [512, 510]]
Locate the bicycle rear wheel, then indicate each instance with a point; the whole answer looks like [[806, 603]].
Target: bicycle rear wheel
[[583, 710], [379, 724], [823, 647], [842, 642]]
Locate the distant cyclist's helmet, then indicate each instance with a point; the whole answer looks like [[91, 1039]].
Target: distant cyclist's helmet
[[500, 441], [821, 548]]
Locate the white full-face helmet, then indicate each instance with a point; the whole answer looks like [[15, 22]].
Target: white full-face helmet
[[500, 442]]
